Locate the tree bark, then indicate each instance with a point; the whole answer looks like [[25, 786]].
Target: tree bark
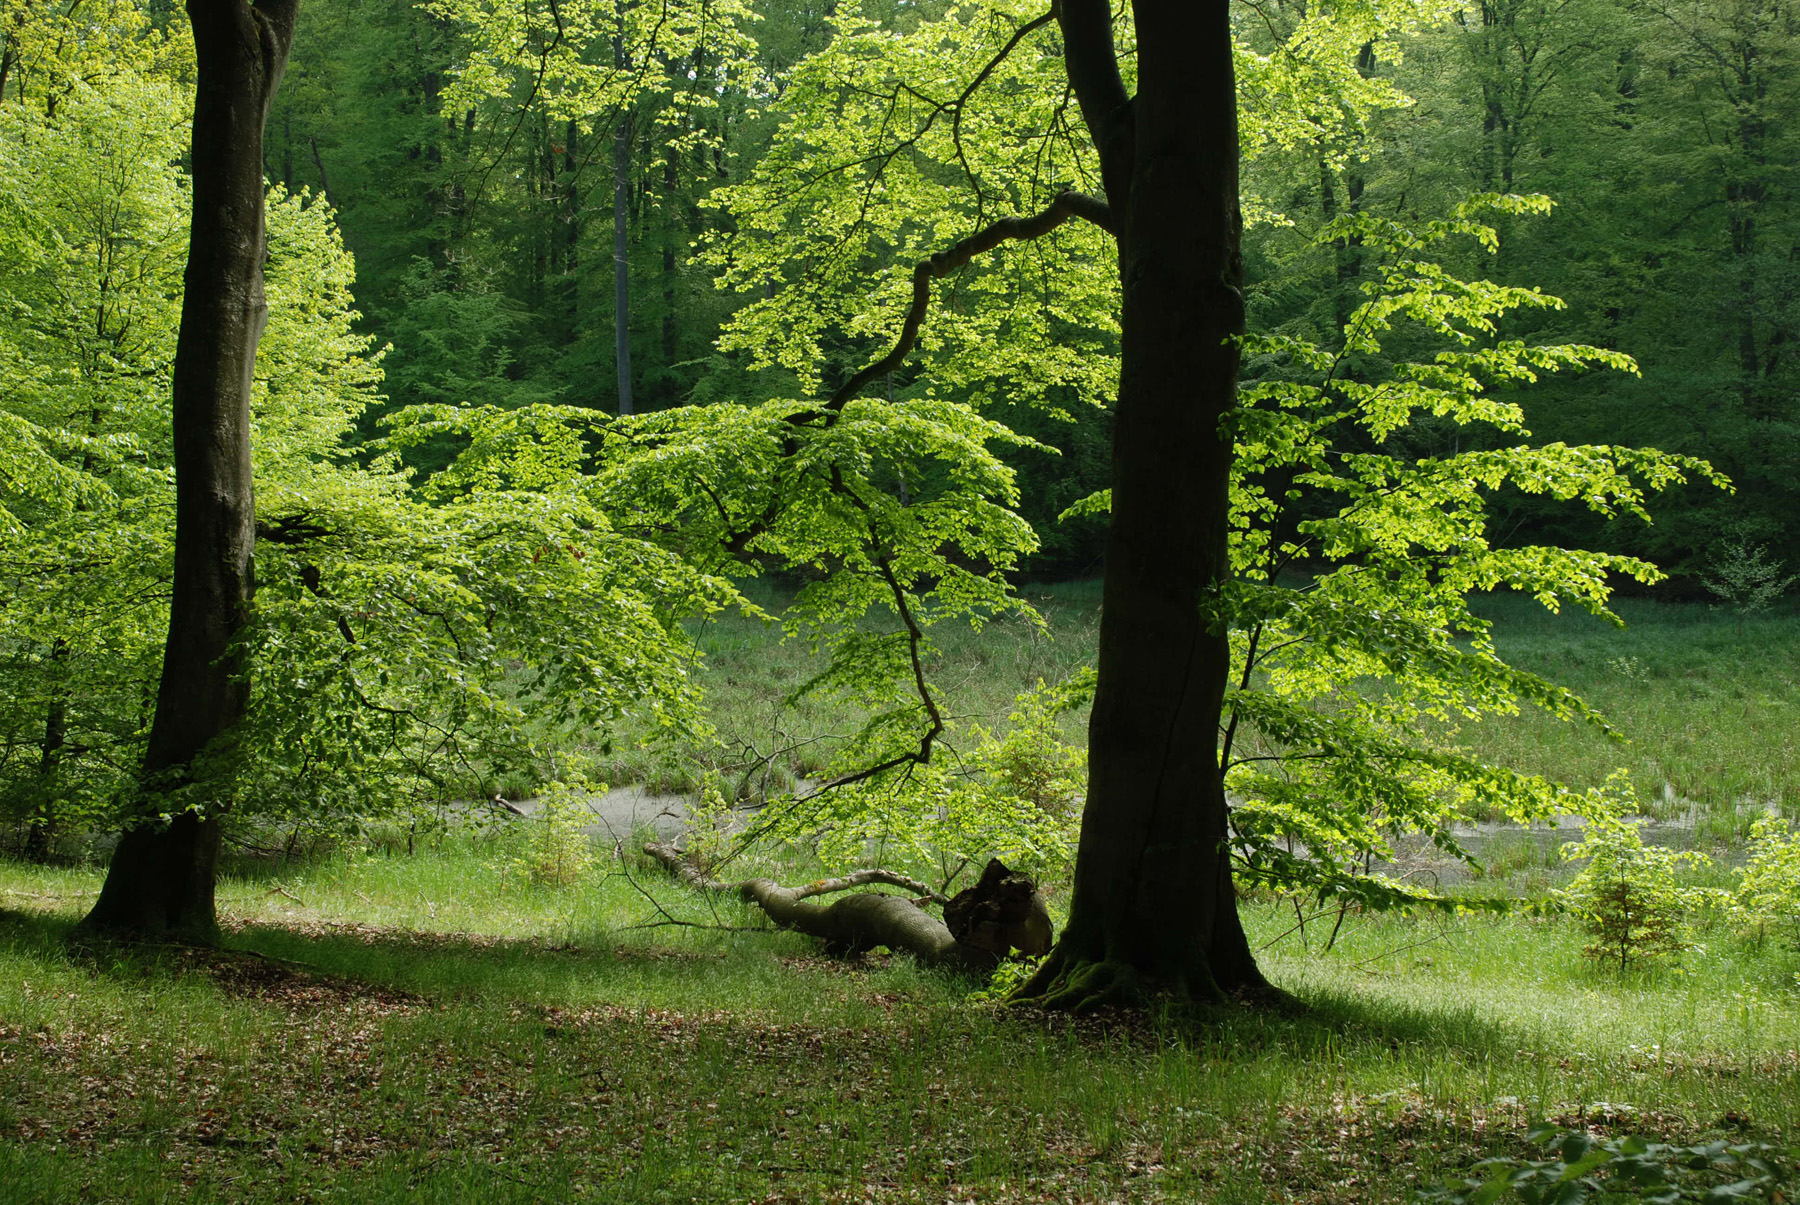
[[40, 840], [160, 882], [621, 258], [1154, 908]]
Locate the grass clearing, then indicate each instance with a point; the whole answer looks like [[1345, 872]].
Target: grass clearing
[[388, 1028], [393, 1027], [1709, 713]]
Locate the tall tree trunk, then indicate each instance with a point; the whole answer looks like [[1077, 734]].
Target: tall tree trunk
[[621, 258], [571, 233], [668, 266], [1154, 908], [40, 840], [160, 883]]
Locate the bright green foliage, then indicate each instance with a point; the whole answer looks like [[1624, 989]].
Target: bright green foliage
[[1357, 654], [54, 51], [1628, 897], [91, 243], [1742, 573], [733, 489], [1013, 796], [551, 850], [398, 643], [1768, 894], [909, 132], [1580, 1167], [591, 61], [1031, 761]]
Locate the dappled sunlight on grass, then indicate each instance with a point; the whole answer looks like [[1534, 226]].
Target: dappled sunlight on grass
[[357, 1039]]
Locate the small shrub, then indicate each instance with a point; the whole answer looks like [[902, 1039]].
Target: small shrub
[[1627, 896], [1032, 762], [1582, 1168], [1768, 894], [710, 822], [553, 849], [1743, 575]]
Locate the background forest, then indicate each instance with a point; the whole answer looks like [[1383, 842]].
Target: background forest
[[583, 483]]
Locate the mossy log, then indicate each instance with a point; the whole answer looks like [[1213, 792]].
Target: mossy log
[[860, 922]]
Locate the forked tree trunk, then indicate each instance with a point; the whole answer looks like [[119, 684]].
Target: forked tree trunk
[[160, 883], [1153, 907]]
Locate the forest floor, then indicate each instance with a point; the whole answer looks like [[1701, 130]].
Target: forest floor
[[430, 1026], [383, 1027]]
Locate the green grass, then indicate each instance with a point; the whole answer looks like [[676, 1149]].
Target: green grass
[[388, 1027], [393, 1028], [1709, 714]]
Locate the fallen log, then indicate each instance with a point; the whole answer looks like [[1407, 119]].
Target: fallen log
[[858, 923]]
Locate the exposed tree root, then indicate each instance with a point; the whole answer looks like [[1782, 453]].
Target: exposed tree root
[[865, 920], [1064, 983], [1069, 982]]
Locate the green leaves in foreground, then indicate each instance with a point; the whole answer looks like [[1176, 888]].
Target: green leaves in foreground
[[1581, 1168], [1363, 505]]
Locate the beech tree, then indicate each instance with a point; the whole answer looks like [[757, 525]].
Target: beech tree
[[1153, 898], [162, 873]]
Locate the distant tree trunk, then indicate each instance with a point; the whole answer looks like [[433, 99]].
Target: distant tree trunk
[[287, 150], [319, 163], [160, 883], [40, 840], [571, 197], [1154, 907], [668, 266], [621, 258]]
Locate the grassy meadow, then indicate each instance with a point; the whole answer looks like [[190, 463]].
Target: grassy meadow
[[1708, 708], [393, 1028], [386, 1027]]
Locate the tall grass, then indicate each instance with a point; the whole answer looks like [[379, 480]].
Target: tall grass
[[1708, 708]]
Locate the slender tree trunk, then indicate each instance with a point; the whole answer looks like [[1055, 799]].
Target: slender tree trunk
[[40, 840], [621, 258], [160, 883], [1154, 908], [312, 141], [668, 266], [287, 150], [571, 198]]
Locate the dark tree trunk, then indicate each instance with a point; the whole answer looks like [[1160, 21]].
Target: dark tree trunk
[[571, 198], [40, 840], [621, 258], [160, 883], [1154, 908], [668, 266]]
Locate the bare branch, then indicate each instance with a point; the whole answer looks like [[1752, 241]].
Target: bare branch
[[861, 878]]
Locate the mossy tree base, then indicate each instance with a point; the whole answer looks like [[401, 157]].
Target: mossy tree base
[[159, 886]]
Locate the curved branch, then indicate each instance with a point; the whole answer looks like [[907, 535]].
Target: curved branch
[[1068, 204], [860, 878]]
